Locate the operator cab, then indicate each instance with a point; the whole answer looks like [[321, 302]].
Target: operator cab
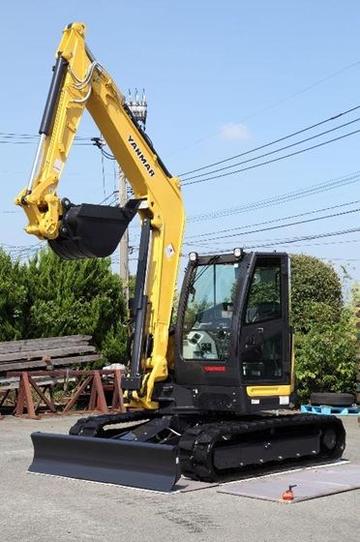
[[233, 326]]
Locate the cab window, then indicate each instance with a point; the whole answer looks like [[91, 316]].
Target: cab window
[[264, 301], [209, 312]]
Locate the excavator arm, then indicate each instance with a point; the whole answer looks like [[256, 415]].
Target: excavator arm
[[79, 82]]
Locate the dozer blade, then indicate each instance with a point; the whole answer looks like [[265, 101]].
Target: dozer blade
[[136, 464]]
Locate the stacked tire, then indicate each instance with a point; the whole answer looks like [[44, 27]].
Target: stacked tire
[[332, 399]]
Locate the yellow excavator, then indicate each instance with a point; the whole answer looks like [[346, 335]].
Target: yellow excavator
[[203, 397]]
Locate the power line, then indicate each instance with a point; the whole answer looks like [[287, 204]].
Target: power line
[[34, 136], [325, 186], [274, 151], [295, 245], [340, 259], [20, 251], [229, 245], [279, 226], [286, 241], [274, 220], [20, 138], [77, 144], [303, 90], [29, 142], [100, 144], [103, 174], [288, 136], [343, 242], [17, 142], [111, 198], [283, 100], [273, 160], [107, 155], [115, 180]]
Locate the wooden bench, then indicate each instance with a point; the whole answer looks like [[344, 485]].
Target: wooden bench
[[35, 391], [46, 353], [30, 369]]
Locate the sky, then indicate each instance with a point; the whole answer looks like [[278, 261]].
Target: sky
[[221, 78]]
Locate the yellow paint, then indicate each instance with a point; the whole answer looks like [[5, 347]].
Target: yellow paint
[[292, 362], [268, 391], [105, 103], [274, 390]]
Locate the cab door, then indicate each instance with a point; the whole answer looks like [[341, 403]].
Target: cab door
[[205, 329], [264, 347]]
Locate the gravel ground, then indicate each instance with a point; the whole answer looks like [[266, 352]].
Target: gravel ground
[[44, 508]]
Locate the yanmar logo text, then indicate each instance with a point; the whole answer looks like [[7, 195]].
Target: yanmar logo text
[[141, 157]]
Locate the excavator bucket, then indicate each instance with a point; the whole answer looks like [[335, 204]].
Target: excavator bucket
[[136, 464], [92, 231]]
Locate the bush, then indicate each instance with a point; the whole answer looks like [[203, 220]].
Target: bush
[[13, 298], [325, 335], [315, 293], [54, 297], [326, 357]]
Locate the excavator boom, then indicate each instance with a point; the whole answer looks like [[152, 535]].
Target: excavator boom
[[79, 82]]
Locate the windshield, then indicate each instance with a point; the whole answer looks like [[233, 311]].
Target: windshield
[[209, 311]]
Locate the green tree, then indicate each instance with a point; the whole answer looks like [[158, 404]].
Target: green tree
[[355, 294], [13, 298], [76, 296], [326, 357], [325, 335], [315, 292]]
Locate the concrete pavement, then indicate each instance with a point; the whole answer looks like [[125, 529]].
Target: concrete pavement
[[43, 508]]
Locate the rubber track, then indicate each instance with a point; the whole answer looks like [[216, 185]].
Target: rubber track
[[93, 426], [198, 442]]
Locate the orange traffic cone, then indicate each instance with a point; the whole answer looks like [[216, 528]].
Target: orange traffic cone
[[288, 495]]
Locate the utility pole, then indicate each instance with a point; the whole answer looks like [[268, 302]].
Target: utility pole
[[124, 242], [138, 107]]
